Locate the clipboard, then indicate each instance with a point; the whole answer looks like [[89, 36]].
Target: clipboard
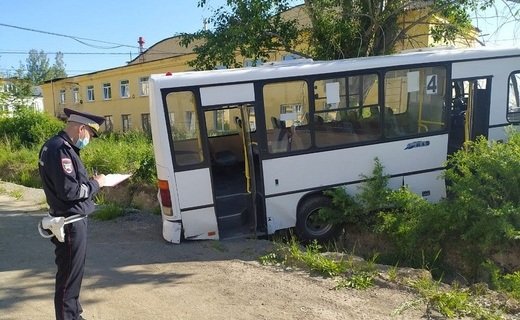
[[114, 179]]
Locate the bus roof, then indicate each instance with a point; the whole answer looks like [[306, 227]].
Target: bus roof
[[295, 68]]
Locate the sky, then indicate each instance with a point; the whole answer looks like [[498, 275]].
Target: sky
[[107, 32], [114, 22]]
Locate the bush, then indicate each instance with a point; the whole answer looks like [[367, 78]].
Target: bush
[[23, 134], [29, 128], [480, 217], [18, 164], [484, 192], [130, 152]]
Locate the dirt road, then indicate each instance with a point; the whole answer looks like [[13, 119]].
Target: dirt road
[[131, 273]]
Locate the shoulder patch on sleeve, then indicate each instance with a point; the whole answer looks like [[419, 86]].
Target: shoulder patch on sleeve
[[66, 164]]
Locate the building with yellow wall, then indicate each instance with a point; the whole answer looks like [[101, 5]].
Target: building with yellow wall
[[121, 94]]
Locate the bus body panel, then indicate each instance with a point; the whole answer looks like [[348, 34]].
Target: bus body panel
[[282, 210], [200, 224], [499, 133], [335, 167], [274, 70], [194, 188], [429, 185], [229, 94], [499, 69]]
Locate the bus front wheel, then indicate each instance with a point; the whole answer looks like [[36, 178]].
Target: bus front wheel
[[308, 224]]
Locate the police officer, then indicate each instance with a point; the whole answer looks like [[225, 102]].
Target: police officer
[[69, 191]]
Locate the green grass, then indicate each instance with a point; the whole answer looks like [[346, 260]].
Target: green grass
[[108, 211], [452, 302], [16, 193], [347, 273]]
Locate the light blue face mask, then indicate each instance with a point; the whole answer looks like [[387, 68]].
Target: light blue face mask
[[82, 143]]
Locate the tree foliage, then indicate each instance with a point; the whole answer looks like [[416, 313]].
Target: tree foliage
[[337, 29], [34, 72], [58, 68], [251, 28], [38, 68]]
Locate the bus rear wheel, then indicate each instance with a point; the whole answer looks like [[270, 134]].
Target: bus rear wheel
[[309, 227]]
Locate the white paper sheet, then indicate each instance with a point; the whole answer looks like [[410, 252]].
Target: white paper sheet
[[115, 178]]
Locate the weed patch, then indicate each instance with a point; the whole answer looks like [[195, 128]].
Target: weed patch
[[108, 211]]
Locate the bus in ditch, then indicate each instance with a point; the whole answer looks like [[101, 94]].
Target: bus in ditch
[[249, 151]]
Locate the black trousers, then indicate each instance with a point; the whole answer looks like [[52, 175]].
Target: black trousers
[[70, 260]]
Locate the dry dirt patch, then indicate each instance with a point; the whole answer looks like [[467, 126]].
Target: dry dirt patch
[[131, 273]]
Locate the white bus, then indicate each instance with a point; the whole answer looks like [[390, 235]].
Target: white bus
[[249, 151]]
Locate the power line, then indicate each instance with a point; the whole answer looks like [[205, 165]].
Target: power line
[[21, 52], [81, 53], [78, 39]]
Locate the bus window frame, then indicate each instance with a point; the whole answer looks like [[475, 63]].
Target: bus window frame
[[447, 65], [309, 80], [205, 163], [380, 72], [509, 114]]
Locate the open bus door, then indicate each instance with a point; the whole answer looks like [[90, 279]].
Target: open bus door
[[233, 168], [469, 111]]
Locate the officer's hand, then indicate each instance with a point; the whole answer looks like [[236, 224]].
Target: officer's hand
[[100, 178]]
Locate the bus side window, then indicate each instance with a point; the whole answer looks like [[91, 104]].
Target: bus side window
[[187, 147], [286, 105], [346, 110], [414, 101]]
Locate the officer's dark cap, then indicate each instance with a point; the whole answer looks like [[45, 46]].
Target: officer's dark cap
[[88, 119]]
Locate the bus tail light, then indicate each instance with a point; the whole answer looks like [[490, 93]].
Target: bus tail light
[[164, 191]]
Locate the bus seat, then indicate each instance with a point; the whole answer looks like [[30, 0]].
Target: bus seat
[[276, 123], [392, 127], [222, 157], [225, 158]]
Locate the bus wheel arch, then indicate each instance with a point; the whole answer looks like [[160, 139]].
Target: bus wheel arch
[[306, 228]]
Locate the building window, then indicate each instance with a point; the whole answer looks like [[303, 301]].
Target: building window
[[172, 118], [125, 90], [125, 118], [253, 63], [90, 93], [107, 91], [290, 56], [8, 87], [62, 96], [109, 123], [145, 121], [144, 89], [75, 95]]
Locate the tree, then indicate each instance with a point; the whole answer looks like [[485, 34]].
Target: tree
[[252, 28], [58, 69], [33, 73], [337, 28], [39, 70], [37, 66]]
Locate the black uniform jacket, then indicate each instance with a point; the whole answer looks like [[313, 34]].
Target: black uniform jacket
[[68, 189]]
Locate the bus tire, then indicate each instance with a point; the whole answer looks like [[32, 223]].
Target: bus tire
[[307, 229]]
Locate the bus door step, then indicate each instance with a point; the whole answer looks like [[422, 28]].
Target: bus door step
[[234, 219]]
